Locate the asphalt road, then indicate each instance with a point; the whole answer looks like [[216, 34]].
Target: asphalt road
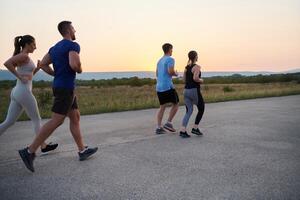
[[250, 150]]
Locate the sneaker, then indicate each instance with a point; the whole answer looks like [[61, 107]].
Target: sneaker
[[169, 127], [160, 130], [87, 153], [196, 131], [184, 134], [49, 147], [27, 158]]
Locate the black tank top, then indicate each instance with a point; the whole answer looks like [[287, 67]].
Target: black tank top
[[189, 81]]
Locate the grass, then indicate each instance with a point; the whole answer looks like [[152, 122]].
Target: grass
[[94, 100]]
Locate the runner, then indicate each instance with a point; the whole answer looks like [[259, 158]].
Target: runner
[[165, 89], [21, 97], [192, 94], [66, 62]]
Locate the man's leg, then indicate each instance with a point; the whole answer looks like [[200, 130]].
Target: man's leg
[[74, 116], [175, 104], [46, 130], [160, 114], [172, 97], [173, 112], [28, 154], [84, 152]]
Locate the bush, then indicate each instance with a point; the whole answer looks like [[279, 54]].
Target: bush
[[228, 89], [205, 87], [44, 98], [135, 81]]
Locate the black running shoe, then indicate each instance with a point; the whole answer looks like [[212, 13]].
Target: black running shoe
[[87, 153], [49, 147], [184, 134], [160, 130], [196, 131], [27, 158], [169, 127]]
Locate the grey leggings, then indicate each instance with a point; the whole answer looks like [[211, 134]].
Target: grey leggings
[[193, 97], [21, 99]]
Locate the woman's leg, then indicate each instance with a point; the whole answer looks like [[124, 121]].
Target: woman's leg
[[189, 110], [30, 106], [13, 113], [200, 106]]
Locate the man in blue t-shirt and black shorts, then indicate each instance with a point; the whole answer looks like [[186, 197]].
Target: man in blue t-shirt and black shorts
[[65, 58], [165, 89]]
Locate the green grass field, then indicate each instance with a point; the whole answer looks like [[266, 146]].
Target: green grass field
[[94, 100]]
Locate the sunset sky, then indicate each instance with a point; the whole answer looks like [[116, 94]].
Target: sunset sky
[[127, 35]]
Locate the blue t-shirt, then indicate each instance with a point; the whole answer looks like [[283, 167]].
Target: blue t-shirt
[[64, 75], [164, 79]]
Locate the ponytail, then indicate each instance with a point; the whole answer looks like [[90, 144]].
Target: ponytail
[[17, 45], [189, 62], [21, 41], [192, 57]]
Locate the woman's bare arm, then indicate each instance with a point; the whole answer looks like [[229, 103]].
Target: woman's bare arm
[[196, 73], [15, 61]]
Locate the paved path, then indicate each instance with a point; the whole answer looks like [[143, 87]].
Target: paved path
[[251, 150]]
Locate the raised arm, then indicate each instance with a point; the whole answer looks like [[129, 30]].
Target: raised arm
[[172, 72], [74, 61], [38, 67], [171, 68], [196, 72], [44, 65]]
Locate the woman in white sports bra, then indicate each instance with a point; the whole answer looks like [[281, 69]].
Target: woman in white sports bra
[[21, 97]]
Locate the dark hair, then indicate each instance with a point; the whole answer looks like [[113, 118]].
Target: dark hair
[[167, 47], [63, 27], [21, 41], [192, 57]]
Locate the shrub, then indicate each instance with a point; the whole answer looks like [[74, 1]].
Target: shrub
[[205, 87], [44, 98], [228, 89]]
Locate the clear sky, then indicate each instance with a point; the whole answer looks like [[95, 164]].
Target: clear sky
[[127, 35]]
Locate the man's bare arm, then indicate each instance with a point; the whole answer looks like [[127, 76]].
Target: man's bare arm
[[172, 71], [74, 61], [44, 65]]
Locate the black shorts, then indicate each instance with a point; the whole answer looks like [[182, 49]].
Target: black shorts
[[64, 100], [169, 96]]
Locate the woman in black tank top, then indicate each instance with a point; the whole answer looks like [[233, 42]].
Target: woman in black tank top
[[189, 77], [192, 94]]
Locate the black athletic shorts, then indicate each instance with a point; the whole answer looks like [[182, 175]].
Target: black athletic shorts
[[64, 100], [169, 96]]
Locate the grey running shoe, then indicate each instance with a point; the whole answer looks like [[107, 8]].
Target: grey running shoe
[[196, 131], [160, 130], [169, 127], [87, 153], [27, 158]]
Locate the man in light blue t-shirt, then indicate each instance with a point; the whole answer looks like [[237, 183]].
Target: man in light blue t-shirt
[[166, 92]]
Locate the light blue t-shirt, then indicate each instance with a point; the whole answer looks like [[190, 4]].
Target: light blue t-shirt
[[164, 79]]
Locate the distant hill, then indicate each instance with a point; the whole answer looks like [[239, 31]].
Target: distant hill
[[297, 70], [6, 75]]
